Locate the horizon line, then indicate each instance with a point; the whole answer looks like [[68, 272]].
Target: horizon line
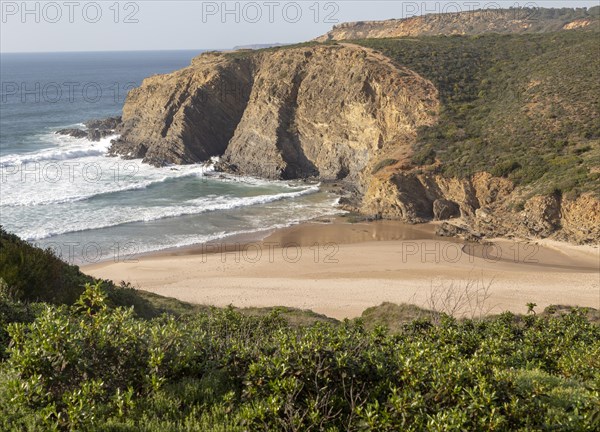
[[143, 50], [111, 51]]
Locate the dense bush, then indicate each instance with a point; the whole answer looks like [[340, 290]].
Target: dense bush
[[92, 367], [12, 311], [503, 169], [35, 274]]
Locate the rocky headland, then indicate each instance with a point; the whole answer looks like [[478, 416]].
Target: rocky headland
[[342, 113]]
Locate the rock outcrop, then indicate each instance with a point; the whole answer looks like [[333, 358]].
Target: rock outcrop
[[187, 116], [489, 206], [74, 132], [580, 219], [110, 123], [505, 21], [328, 112], [95, 129], [579, 23]]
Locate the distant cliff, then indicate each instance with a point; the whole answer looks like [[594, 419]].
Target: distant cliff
[[505, 21]]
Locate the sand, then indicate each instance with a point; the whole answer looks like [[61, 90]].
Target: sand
[[340, 269]]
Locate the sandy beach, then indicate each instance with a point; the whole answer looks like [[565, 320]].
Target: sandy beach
[[339, 269]]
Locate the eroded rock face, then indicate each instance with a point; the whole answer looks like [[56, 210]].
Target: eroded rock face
[[580, 219], [578, 23], [542, 215], [410, 196], [486, 204], [445, 209], [328, 112]]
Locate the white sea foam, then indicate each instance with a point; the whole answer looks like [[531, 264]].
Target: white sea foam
[[76, 170], [81, 220], [181, 241], [66, 147]]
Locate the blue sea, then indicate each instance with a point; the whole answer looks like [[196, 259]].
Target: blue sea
[[65, 193]]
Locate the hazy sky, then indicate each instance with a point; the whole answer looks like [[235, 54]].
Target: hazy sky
[[75, 25]]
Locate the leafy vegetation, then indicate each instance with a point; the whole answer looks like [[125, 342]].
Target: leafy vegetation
[[35, 274], [91, 364], [394, 317], [521, 106], [32, 274]]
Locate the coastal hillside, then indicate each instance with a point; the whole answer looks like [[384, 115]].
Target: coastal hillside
[[517, 142], [32, 275], [502, 21], [499, 132]]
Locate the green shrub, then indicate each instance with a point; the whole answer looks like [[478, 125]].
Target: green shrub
[[503, 169], [93, 367], [34, 274], [425, 156]]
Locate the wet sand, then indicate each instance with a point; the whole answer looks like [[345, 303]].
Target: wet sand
[[339, 269]]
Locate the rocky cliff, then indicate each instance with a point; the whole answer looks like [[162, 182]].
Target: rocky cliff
[[506, 21], [324, 111], [328, 112], [187, 116]]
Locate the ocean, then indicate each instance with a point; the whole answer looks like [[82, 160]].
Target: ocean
[[66, 194]]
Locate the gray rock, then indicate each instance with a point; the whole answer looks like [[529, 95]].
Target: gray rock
[[77, 133], [96, 129], [110, 123], [448, 230], [127, 149]]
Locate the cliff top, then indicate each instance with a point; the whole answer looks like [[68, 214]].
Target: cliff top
[[518, 20]]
